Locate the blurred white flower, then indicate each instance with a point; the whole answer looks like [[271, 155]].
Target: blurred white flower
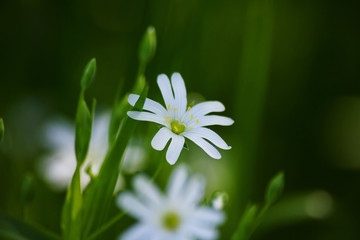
[[180, 121], [176, 215], [58, 166]]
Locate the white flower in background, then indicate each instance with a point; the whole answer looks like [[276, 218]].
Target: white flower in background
[[173, 216], [59, 165], [180, 121]]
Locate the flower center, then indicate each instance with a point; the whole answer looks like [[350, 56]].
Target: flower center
[[177, 127], [171, 221]]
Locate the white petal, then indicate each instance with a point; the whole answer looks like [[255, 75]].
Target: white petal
[[204, 108], [149, 105], [203, 233], [129, 203], [207, 147], [145, 189], [195, 191], [208, 217], [165, 88], [174, 150], [215, 120], [180, 92], [137, 232], [146, 116], [177, 182], [161, 138], [212, 136]]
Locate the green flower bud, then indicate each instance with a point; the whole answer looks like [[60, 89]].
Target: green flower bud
[[148, 45], [275, 188], [2, 129], [88, 75]]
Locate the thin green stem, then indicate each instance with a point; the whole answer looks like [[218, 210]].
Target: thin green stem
[[160, 166], [259, 218], [107, 225], [51, 235]]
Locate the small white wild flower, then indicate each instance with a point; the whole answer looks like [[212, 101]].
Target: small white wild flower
[[181, 121], [175, 215], [58, 166]]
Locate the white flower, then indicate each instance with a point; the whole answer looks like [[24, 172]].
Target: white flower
[[180, 121], [59, 165], [174, 216]]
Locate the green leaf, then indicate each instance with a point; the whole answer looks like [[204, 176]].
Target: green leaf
[[148, 45], [246, 223], [119, 112], [13, 229], [89, 73], [2, 129], [71, 220], [83, 126], [275, 188], [99, 194]]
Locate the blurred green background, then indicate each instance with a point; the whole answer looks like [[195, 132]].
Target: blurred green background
[[287, 72]]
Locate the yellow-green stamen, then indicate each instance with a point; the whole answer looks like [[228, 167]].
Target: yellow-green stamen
[[177, 127], [171, 221]]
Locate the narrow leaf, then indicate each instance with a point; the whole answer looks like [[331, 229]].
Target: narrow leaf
[[89, 73], [246, 223], [71, 218], [99, 194], [118, 114]]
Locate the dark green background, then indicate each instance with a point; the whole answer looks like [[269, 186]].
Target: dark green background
[[308, 121]]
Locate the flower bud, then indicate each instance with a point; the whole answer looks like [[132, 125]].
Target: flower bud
[[219, 200], [275, 188], [148, 45], [88, 75]]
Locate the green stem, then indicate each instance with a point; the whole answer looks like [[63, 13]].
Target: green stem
[[160, 166], [106, 226], [259, 218], [46, 232]]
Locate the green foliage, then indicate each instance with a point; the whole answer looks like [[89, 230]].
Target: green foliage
[[2, 129], [13, 229], [88, 74], [71, 219], [83, 126], [148, 45], [275, 188], [246, 223], [119, 111], [252, 217], [99, 194]]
